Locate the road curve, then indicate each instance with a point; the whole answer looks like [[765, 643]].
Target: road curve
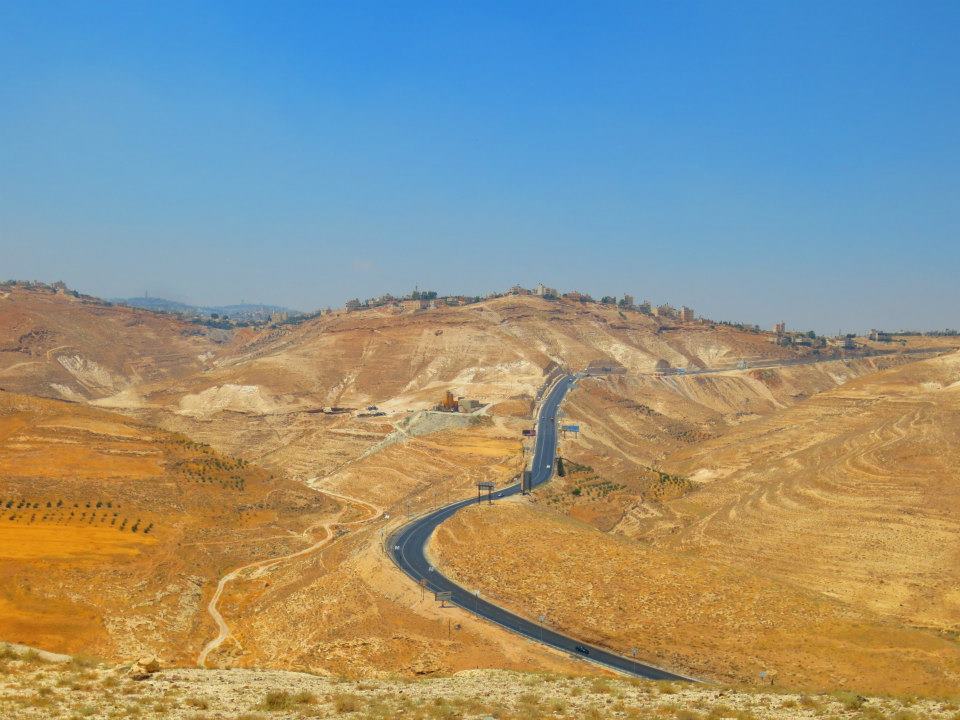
[[407, 548]]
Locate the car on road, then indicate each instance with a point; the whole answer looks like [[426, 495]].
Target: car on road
[[581, 649]]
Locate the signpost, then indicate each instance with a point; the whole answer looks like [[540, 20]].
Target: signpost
[[525, 482], [443, 596], [570, 428], [488, 486]]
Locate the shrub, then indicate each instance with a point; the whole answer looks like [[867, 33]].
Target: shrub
[[278, 700], [849, 700], [305, 697], [343, 702]]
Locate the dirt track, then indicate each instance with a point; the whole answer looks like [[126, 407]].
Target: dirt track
[[223, 630]]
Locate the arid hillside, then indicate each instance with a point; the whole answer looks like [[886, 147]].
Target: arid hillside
[[259, 394], [262, 396], [855, 492], [56, 345], [630, 426], [113, 533], [222, 497], [346, 609], [683, 611], [820, 542], [115, 536]]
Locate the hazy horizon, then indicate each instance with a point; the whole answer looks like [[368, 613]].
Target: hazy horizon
[[759, 162]]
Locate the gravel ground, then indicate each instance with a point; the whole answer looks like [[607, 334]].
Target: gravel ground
[[33, 687]]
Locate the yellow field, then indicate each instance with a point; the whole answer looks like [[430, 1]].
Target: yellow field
[[57, 623], [72, 461], [65, 542], [475, 444]]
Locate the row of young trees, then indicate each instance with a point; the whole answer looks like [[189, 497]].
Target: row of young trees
[[61, 517]]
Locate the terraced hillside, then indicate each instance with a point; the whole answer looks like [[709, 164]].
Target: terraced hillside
[[112, 532], [820, 542]]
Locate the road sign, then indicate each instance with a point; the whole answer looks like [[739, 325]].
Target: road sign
[[443, 595], [570, 428], [529, 433]]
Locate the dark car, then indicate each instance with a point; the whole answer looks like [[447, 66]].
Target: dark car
[[581, 649]]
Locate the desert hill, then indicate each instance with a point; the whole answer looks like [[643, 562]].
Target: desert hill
[[113, 532], [54, 344], [267, 386], [269, 489], [820, 541], [257, 393]]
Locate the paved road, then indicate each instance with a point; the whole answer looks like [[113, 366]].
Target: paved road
[[407, 549], [809, 360]]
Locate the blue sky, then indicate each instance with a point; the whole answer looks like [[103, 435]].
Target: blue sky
[[756, 160]]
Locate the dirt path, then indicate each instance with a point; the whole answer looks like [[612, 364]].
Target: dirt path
[[261, 566]]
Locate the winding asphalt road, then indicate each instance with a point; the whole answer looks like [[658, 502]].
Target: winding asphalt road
[[407, 548]]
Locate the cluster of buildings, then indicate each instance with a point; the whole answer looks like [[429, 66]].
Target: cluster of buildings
[[452, 404], [627, 302], [430, 299], [781, 336], [57, 288], [426, 299]]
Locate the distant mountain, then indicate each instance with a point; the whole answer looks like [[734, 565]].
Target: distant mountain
[[243, 311]]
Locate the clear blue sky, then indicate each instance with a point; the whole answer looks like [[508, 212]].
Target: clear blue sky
[[756, 160]]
